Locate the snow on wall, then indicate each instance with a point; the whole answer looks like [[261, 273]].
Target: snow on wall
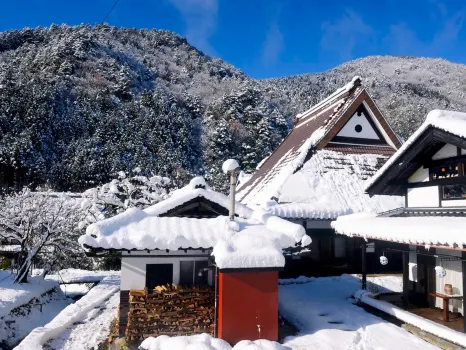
[[133, 270], [418, 321], [71, 314], [449, 121], [423, 197], [414, 230], [13, 295]]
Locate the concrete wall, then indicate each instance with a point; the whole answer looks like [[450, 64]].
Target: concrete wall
[[423, 197], [133, 269]]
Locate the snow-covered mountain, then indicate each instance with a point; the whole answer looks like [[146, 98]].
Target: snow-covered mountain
[[78, 104]]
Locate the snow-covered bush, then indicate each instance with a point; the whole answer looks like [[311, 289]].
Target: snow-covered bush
[[122, 193], [45, 225]]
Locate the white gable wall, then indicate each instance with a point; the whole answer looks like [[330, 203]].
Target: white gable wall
[[367, 131], [446, 151], [421, 175], [422, 197]]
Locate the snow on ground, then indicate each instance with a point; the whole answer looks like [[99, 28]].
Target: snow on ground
[[408, 317], [31, 317], [77, 275], [324, 312], [205, 342], [83, 309], [91, 331], [13, 295]]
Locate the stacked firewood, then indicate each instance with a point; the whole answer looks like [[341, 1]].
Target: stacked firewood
[[170, 310]]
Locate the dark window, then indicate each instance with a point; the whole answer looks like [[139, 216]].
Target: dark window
[[158, 274], [202, 279], [190, 271], [358, 128], [445, 171], [454, 191], [186, 272]]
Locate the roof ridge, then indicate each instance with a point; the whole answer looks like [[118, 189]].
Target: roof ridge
[[355, 82]]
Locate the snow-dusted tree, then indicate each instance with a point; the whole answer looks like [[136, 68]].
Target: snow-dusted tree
[[42, 224], [122, 193]]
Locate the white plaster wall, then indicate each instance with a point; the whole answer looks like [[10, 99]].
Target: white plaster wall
[[446, 151], [367, 131], [423, 197], [454, 203], [133, 270], [421, 175], [454, 277]]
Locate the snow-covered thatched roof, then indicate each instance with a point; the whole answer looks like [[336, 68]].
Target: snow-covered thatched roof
[[312, 176], [253, 240]]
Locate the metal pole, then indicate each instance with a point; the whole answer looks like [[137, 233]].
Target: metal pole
[[364, 267], [232, 195]]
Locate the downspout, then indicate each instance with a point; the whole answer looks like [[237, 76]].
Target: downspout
[[216, 304]]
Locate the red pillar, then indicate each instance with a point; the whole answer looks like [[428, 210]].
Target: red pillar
[[248, 306]]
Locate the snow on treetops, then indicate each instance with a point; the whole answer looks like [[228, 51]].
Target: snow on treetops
[[257, 241], [229, 165], [449, 121]]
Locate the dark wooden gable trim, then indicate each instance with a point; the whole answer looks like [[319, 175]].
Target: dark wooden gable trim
[[199, 207], [394, 179], [346, 116]]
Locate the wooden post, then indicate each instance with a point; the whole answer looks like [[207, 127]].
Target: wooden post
[[463, 271], [364, 267], [405, 277]]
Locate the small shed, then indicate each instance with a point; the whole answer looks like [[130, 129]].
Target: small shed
[[186, 244]]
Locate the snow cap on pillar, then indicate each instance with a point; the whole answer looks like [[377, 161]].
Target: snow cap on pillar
[[230, 165]]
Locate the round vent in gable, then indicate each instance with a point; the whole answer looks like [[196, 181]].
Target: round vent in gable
[[358, 128]]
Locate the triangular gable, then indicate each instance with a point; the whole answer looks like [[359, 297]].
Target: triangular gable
[[313, 130], [198, 207], [440, 128], [373, 127]]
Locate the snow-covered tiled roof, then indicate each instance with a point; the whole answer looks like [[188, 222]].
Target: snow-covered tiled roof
[[430, 231], [315, 191], [244, 243], [253, 240], [450, 121]]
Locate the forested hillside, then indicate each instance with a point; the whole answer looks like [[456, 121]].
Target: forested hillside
[[78, 104]]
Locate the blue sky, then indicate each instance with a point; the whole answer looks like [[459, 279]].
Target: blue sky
[[270, 38]]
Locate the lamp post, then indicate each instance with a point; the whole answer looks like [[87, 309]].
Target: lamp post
[[230, 167]]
